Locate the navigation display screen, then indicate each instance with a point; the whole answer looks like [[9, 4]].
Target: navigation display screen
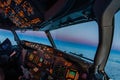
[[72, 74]]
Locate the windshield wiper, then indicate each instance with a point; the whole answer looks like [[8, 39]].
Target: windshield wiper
[[81, 56]]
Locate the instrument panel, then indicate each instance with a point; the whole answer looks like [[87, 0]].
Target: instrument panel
[[46, 63]]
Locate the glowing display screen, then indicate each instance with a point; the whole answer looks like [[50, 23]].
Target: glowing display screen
[[72, 74]]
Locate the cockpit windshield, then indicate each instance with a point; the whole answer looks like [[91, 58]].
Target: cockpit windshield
[[34, 36], [78, 39]]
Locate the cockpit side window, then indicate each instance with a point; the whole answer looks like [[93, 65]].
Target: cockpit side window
[[4, 34], [33, 36], [114, 58]]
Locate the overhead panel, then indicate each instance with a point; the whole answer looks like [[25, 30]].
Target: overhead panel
[[21, 12]]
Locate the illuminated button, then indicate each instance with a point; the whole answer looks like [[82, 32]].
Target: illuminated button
[[41, 59], [21, 13], [36, 20], [68, 64], [5, 3], [51, 71], [31, 57], [17, 1], [36, 46], [27, 8], [35, 69]]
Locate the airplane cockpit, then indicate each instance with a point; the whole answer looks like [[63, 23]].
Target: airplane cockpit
[[36, 61]]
